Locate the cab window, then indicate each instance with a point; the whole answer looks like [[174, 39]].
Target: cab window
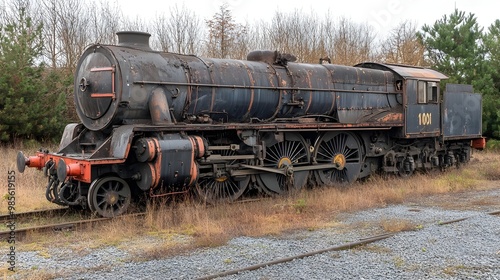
[[421, 92], [427, 92], [432, 92]]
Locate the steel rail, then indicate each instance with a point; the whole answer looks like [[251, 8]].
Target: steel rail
[[492, 213], [34, 213], [69, 226]]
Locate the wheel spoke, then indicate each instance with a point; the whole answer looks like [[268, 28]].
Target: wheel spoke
[[274, 158], [282, 149], [108, 187], [297, 154], [116, 186], [293, 151], [297, 158], [123, 192], [330, 147], [99, 204], [351, 154]]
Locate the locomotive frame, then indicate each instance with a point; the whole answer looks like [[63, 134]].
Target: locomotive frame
[[167, 124]]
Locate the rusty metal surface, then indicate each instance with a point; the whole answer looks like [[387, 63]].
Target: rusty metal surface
[[221, 91], [275, 126], [202, 90]]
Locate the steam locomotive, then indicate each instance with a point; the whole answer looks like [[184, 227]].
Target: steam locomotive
[[165, 124]]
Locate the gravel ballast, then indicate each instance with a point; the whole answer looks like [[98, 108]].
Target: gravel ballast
[[469, 249]]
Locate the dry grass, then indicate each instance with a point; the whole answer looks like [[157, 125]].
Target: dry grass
[[398, 225], [173, 228], [30, 186], [34, 274]]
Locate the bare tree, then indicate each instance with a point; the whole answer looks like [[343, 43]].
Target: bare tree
[[278, 33], [303, 35], [327, 36], [71, 25], [179, 32], [50, 36], [9, 11], [352, 43], [134, 24], [258, 36], [403, 46], [72, 28], [104, 22], [301, 32], [224, 34], [245, 42], [309, 38], [66, 30]]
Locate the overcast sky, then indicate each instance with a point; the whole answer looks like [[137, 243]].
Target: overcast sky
[[383, 15]]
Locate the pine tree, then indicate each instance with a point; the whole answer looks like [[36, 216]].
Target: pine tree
[[491, 104], [455, 46], [27, 108], [492, 44]]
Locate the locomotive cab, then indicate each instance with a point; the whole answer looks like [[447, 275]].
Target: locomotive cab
[[422, 110], [419, 89], [427, 112]]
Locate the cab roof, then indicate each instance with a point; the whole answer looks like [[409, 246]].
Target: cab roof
[[406, 71]]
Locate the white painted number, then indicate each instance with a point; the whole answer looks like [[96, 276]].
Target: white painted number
[[424, 119]]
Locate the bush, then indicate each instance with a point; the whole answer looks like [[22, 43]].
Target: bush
[[493, 145]]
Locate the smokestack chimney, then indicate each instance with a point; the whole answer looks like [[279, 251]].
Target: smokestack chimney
[[134, 39]]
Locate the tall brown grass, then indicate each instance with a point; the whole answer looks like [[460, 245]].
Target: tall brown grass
[[171, 228], [29, 186]]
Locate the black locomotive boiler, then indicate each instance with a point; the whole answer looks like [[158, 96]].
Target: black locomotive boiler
[[164, 124]]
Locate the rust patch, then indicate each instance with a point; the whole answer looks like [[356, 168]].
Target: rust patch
[[392, 118]]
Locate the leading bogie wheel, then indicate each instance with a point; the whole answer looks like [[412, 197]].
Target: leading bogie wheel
[[109, 196]]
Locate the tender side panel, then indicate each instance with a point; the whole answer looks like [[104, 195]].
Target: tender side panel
[[462, 113]]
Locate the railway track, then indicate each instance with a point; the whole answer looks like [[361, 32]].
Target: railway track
[[36, 213], [20, 233], [347, 246]]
